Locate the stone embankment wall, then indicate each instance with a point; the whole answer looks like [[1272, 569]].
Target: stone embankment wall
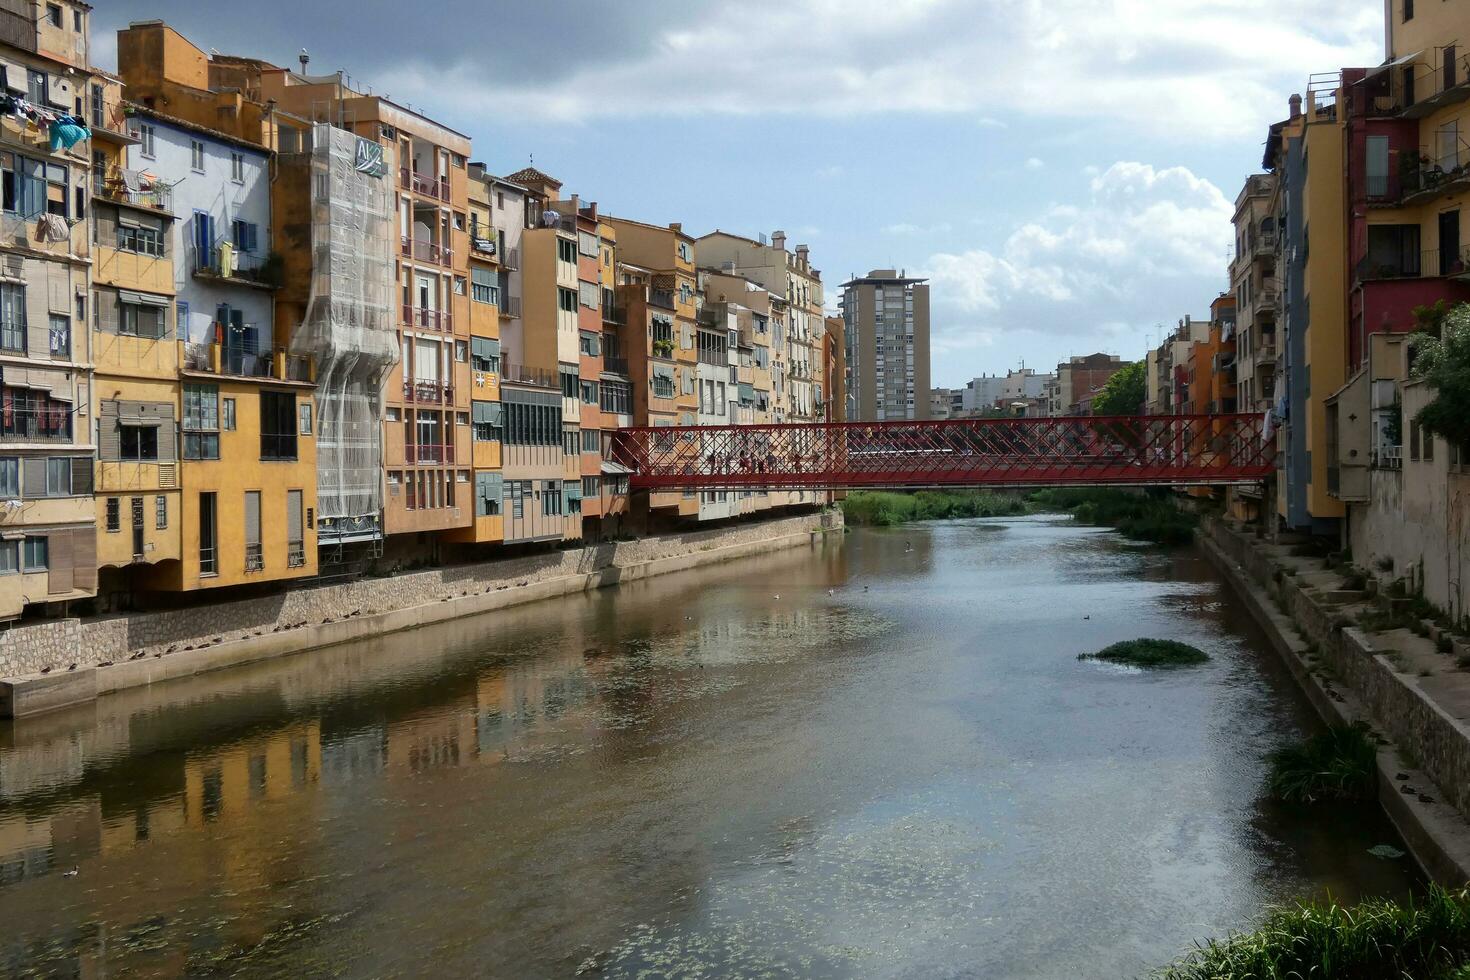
[[56, 645], [1350, 676]]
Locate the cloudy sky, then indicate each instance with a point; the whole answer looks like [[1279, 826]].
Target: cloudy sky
[[1062, 170]]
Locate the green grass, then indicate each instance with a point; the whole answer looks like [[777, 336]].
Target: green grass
[[885, 509], [1338, 764], [1149, 653], [1151, 517], [1378, 939]]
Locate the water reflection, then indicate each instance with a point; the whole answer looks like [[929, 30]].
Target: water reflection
[[872, 757]]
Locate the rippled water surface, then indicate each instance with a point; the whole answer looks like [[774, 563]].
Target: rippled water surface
[[876, 757]]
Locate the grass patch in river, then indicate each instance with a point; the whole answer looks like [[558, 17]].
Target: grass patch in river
[[1149, 653], [1338, 764], [1426, 938]]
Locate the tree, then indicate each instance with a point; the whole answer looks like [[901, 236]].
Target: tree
[[1443, 361], [1124, 393]]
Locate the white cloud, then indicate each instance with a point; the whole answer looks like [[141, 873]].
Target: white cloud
[[907, 228], [1146, 246], [1200, 70], [1035, 163], [829, 172]]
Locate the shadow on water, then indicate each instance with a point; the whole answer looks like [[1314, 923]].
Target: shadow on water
[[876, 756]]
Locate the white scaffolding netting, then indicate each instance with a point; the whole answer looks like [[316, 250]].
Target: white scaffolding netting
[[349, 325]]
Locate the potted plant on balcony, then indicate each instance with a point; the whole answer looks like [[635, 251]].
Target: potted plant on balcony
[[663, 348]]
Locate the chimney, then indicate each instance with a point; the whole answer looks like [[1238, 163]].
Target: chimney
[[778, 240], [1296, 107], [677, 227], [802, 252]]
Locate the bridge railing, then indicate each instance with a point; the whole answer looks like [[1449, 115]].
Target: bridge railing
[[1122, 450]]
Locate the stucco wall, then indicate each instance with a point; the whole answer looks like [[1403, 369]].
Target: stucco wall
[[60, 643]]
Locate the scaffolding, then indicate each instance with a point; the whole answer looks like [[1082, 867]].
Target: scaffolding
[[349, 328]]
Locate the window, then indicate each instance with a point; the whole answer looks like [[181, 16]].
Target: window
[[60, 336], [160, 512], [9, 557], [53, 14], [208, 546], [139, 319], [139, 442], [37, 559], [568, 382], [486, 417], [551, 498], [589, 293], [114, 515], [145, 137], [461, 352], [485, 287], [228, 419], [196, 156], [277, 425], [237, 167], [141, 241], [295, 536], [591, 441], [686, 254], [36, 86], [304, 411], [488, 489], [591, 486], [12, 317], [517, 500], [588, 244], [485, 355], [589, 392], [616, 397], [9, 477], [1408, 10], [570, 442], [566, 251], [201, 421], [245, 235], [76, 21], [566, 300], [254, 558]]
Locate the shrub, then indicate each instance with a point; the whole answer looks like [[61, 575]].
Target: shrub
[[885, 509], [1339, 764], [1427, 938], [1155, 518]]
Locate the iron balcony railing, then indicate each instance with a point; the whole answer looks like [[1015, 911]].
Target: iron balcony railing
[[247, 268], [428, 392], [295, 554], [615, 365], [423, 251], [208, 561], [254, 558], [510, 306], [521, 374], [437, 188], [510, 258], [429, 453], [424, 319], [36, 424], [112, 186]]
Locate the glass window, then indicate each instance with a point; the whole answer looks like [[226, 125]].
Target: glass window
[[12, 317], [237, 167], [196, 155], [139, 442], [9, 557], [146, 135], [228, 418], [60, 334], [160, 512], [304, 409], [201, 421], [36, 556], [9, 477], [114, 515]]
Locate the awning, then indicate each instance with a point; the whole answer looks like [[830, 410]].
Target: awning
[[609, 468], [1392, 64], [141, 299]]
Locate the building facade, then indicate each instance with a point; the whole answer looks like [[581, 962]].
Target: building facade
[[886, 322]]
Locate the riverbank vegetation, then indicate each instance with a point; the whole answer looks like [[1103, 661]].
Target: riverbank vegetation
[[1426, 938], [1338, 764], [1149, 653], [1149, 516], [885, 509]]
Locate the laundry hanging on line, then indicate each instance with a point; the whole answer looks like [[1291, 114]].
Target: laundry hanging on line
[[67, 132]]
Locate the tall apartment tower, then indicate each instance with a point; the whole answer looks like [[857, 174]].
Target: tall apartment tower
[[887, 330]]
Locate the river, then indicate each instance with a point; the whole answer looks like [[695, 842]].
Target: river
[[878, 756]]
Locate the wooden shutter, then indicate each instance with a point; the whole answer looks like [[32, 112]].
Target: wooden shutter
[[293, 516], [252, 517], [59, 557], [84, 559], [33, 477], [81, 476]]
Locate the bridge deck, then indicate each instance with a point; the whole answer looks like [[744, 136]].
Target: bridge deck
[[1074, 451]]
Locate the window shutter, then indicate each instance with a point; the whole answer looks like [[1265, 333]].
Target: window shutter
[[83, 559], [293, 515], [252, 517], [34, 473], [81, 473], [59, 577]]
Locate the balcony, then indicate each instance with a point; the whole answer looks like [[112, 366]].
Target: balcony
[[428, 454], [1266, 295], [428, 392], [521, 374], [129, 187], [1450, 84], [425, 251], [418, 318], [615, 365], [510, 306], [412, 180], [615, 315], [661, 298], [484, 247], [1264, 245], [510, 258], [226, 264], [246, 359], [39, 425]]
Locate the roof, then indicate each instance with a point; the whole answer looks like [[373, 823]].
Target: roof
[[530, 175], [647, 224], [184, 124], [872, 279]]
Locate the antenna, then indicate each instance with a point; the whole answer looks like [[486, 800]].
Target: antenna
[[305, 60]]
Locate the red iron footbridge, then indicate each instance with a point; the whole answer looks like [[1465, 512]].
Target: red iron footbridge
[[1140, 450]]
